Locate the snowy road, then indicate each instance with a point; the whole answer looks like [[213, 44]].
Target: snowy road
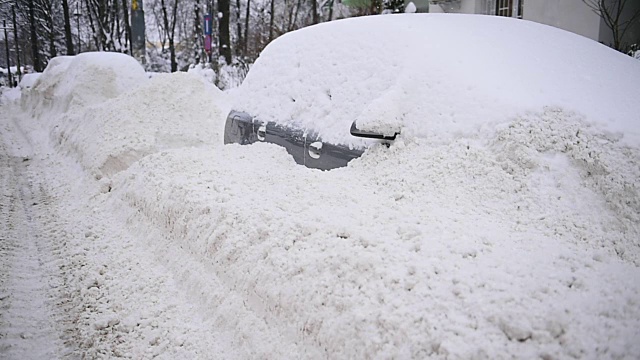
[[30, 253], [74, 281]]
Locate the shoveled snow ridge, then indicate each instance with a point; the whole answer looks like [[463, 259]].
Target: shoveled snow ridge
[[168, 111], [512, 244]]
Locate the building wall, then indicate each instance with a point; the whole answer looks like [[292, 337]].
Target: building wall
[[470, 7], [570, 15]]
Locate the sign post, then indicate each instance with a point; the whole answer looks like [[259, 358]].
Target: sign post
[[137, 30], [208, 29]]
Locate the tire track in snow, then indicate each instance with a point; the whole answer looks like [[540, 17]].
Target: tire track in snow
[[113, 298], [27, 318]]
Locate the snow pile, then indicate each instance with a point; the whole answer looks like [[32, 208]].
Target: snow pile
[[73, 82], [522, 242], [167, 111], [9, 95], [437, 76], [28, 80], [231, 76], [206, 73], [106, 113]]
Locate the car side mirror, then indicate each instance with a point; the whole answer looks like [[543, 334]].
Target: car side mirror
[[371, 135]]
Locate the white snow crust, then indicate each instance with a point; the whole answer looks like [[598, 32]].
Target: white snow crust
[[73, 82], [126, 114], [437, 76]]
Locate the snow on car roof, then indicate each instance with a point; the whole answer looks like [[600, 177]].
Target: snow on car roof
[[86, 79], [438, 75]]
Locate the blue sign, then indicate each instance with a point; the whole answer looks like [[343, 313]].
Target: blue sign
[[207, 24]]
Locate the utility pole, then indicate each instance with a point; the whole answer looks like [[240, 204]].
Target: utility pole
[[6, 45], [17, 43]]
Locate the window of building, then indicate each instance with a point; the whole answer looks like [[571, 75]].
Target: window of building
[[510, 8], [504, 8]]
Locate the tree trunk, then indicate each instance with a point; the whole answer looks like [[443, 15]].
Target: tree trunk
[[246, 28], [34, 38], [67, 28], [271, 21], [17, 42], [314, 9], [197, 33], [293, 16], [52, 33], [116, 20], [93, 28], [223, 23], [127, 26], [239, 28], [165, 20], [6, 47], [172, 48], [170, 31]]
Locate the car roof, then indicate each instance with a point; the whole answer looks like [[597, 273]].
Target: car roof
[[437, 76]]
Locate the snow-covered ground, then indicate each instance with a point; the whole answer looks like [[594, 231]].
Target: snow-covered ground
[[128, 230]]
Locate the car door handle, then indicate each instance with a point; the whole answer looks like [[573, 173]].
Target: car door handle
[[262, 132], [315, 149]]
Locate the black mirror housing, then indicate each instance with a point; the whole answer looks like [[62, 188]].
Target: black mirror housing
[[371, 135]]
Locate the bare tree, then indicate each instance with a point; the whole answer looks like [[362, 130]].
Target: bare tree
[[238, 29], [271, 20], [34, 36], [197, 33], [52, 33], [170, 30], [246, 28], [15, 39], [224, 36], [612, 13], [314, 10], [67, 28], [127, 26]]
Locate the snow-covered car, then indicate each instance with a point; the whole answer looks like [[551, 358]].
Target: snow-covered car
[[422, 75]]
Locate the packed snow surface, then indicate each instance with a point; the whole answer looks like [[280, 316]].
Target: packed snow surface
[[437, 76], [521, 240]]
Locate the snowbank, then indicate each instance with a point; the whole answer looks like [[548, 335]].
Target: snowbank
[[28, 80], [519, 243], [167, 111], [73, 82], [104, 111], [9, 95], [437, 76], [206, 73]]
